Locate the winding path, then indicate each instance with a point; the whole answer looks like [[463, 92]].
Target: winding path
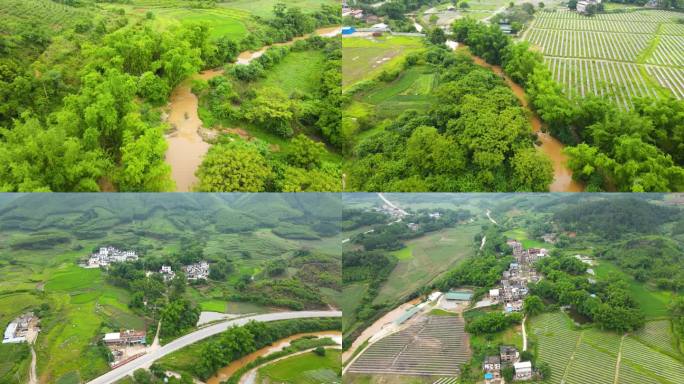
[[201, 334], [33, 377]]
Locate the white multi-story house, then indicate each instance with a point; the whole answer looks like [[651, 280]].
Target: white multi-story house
[[108, 255], [197, 271]]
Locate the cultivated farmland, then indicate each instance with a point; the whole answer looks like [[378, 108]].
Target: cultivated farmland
[[435, 345], [620, 55], [591, 355]]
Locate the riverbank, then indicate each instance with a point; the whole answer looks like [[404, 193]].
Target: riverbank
[[227, 371], [186, 146], [549, 145]]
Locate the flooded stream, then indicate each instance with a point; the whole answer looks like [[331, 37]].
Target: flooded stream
[[225, 372], [186, 148], [562, 175]]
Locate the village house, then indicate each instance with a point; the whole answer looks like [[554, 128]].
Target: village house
[[351, 12], [127, 337], [197, 271], [167, 272], [492, 364], [435, 215], [550, 238], [508, 354], [513, 306], [523, 370], [108, 255], [494, 294], [413, 226]]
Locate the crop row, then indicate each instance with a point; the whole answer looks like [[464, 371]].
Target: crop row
[[657, 334], [597, 45], [669, 51], [39, 11], [595, 25], [591, 366], [652, 361], [627, 375], [618, 80], [672, 29], [646, 16], [670, 78], [556, 342]]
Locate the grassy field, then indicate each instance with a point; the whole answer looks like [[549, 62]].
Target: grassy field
[[264, 8], [364, 58], [590, 355], [351, 296], [298, 72], [432, 255], [521, 235], [653, 302], [306, 368]]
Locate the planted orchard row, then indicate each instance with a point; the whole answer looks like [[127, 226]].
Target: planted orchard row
[[614, 46]]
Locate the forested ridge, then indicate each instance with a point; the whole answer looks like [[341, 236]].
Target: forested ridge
[[80, 89]]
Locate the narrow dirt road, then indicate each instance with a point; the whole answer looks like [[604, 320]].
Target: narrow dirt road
[[33, 377], [524, 334]]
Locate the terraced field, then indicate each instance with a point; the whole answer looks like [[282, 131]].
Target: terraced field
[[42, 12], [591, 356], [619, 55], [435, 346]]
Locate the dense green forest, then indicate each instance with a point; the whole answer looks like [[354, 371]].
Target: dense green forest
[[639, 150], [81, 85], [236, 99], [477, 138]]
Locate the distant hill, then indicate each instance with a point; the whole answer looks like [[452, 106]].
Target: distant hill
[[192, 211]]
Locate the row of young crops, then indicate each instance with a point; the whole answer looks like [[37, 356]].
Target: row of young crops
[[590, 355], [617, 80], [643, 16], [651, 362], [658, 335], [45, 12], [584, 44], [555, 342], [434, 346], [670, 51], [614, 54]]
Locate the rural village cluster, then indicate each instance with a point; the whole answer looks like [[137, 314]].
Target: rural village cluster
[[125, 345]]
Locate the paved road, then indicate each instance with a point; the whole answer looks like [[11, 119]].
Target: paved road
[[146, 360]]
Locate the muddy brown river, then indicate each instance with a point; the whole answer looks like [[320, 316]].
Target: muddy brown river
[[550, 146], [186, 148], [227, 371]]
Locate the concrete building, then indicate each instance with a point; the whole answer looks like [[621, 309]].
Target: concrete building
[[458, 296], [128, 337], [492, 364], [20, 329], [197, 271], [108, 255], [167, 272], [523, 370], [508, 354]]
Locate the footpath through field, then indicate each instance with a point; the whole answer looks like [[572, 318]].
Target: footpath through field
[[201, 334]]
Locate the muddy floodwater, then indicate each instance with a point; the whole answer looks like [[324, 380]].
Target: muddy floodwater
[[186, 148], [227, 371], [550, 146]]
